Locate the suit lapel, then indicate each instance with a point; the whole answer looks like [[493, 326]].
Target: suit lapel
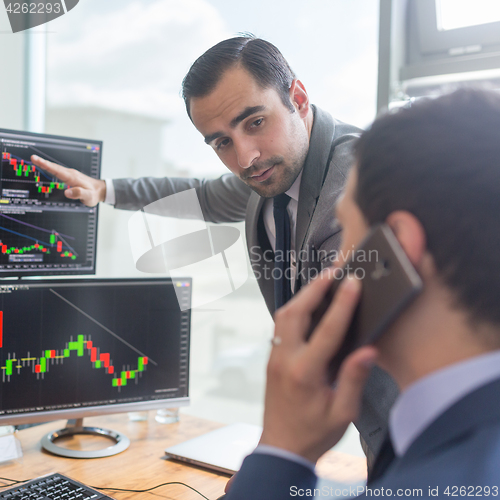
[[258, 243], [474, 410], [254, 207], [314, 172], [384, 460]]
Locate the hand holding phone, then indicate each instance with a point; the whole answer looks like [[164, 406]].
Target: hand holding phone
[[389, 284]]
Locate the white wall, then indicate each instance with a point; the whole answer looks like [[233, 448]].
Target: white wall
[[12, 82]]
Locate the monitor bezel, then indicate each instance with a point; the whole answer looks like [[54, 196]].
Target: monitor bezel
[[98, 410], [51, 272]]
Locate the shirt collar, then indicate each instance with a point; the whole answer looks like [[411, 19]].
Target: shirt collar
[[425, 400], [293, 192]]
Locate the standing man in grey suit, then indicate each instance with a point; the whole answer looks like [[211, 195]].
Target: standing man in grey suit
[[432, 174], [288, 161]]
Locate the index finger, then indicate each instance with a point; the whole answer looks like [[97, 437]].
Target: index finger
[[293, 320], [310, 297], [330, 332], [62, 173]]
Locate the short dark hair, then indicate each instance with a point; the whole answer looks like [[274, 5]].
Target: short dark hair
[[440, 160], [260, 58]]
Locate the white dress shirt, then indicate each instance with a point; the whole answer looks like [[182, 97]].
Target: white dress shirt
[[110, 192]]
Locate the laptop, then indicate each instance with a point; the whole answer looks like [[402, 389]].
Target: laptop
[[222, 450]]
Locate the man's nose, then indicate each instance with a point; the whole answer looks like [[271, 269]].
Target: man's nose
[[247, 153]]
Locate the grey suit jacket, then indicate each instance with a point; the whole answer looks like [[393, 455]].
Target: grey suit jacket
[[228, 199]]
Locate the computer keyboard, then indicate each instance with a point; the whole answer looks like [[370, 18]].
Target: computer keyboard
[[52, 487]]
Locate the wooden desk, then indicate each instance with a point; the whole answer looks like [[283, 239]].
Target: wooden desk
[[143, 465]]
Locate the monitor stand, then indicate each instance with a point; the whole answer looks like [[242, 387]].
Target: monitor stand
[[73, 427]]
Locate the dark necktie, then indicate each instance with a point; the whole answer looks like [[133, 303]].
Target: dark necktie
[[384, 459], [282, 284]]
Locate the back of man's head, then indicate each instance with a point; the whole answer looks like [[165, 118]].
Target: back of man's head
[[263, 61], [440, 160]]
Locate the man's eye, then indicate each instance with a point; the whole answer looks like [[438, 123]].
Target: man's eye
[[222, 144], [257, 123]]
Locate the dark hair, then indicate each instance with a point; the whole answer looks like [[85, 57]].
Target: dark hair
[[260, 58], [440, 160]]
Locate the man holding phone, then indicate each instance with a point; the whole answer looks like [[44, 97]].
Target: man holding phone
[[288, 161], [432, 174]]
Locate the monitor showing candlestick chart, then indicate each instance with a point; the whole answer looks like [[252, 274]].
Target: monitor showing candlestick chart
[[41, 231], [74, 348]]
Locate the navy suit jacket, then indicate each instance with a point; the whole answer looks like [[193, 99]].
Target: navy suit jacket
[[460, 449]]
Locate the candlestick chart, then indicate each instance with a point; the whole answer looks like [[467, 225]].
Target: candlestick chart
[[23, 170], [66, 345], [57, 239], [41, 230], [40, 365], [22, 181]]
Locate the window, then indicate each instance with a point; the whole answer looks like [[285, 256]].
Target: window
[[451, 36], [114, 72], [455, 14]]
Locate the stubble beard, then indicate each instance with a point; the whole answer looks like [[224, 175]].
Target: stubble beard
[[284, 175]]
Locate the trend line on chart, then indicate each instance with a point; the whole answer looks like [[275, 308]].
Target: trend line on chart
[[22, 166], [56, 239], [41, 365], [23, 235], [35, 227], [105, 328], [53, 241], [22, 250], [59, 162]]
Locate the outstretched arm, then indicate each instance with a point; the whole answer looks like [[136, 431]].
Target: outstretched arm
[[221, 200]]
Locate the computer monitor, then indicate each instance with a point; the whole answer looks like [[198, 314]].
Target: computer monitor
[[71, 348], [41, 231]]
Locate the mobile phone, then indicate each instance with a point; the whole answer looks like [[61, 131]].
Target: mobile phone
[[389, 283]]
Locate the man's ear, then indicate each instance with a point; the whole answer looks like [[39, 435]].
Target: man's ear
[[410, 234], [299, 98]]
